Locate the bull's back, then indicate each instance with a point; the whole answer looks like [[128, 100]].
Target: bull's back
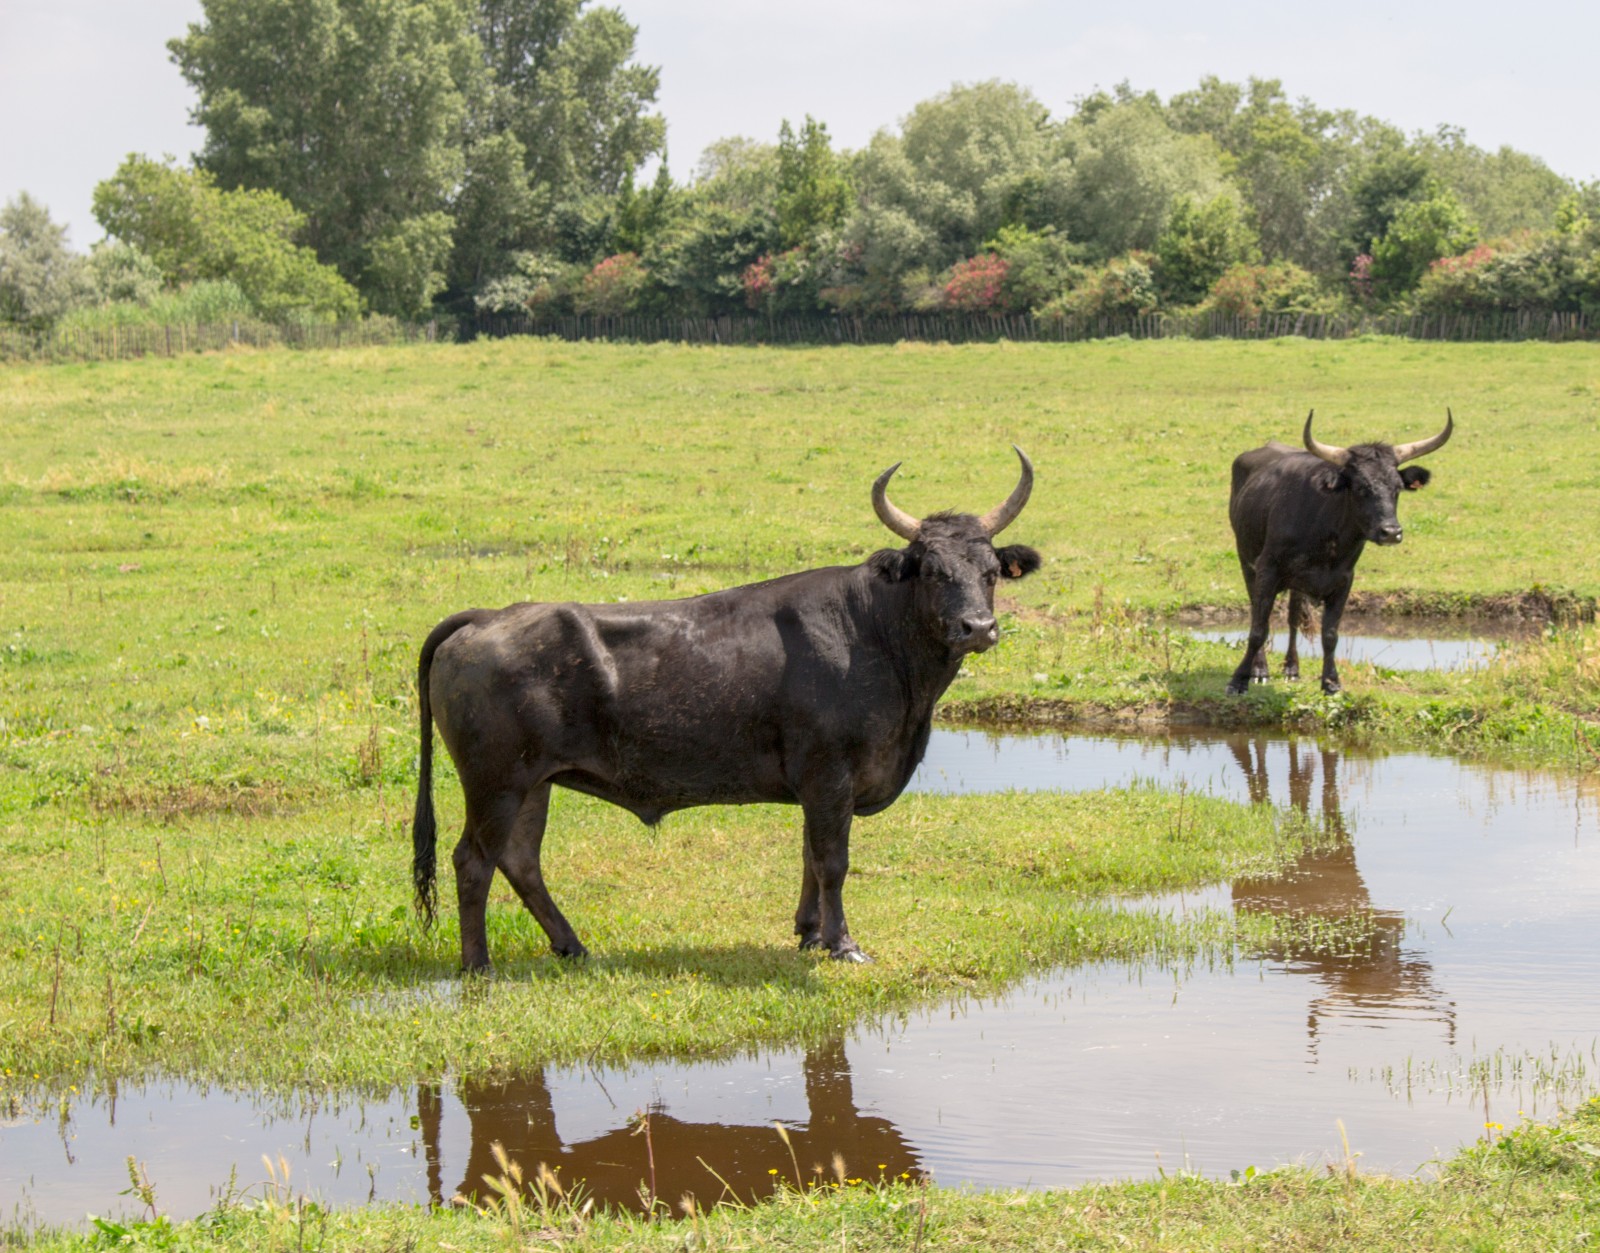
[[655, 706]]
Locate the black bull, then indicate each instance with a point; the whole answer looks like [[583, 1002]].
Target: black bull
[[1300, 521], [814, 689]]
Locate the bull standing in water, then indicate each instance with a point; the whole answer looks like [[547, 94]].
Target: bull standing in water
[[1300, 521], [815, 689]]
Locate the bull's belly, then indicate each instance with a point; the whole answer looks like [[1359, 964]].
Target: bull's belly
[[650, 797]]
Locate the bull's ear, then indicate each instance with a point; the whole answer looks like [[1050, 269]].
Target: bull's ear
[[1414, 477], [893, 565], [1329, 479], [1017, 561]]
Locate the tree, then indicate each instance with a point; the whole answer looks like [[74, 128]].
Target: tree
[[354, 111], [562, 93], [40, 277], [1129, 168], [192, 230], [813, 193], [1199, 243], [1420, 232], [1291, 162], [966, 163], [569, 92], [1501, 191], [1391, 177]]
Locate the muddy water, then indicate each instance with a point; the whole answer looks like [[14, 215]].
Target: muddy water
[[1474, 1003]]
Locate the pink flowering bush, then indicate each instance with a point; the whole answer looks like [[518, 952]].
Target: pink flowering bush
[[757, 281], [977, 285], [1361, 279], [612, 287], [779, 282]]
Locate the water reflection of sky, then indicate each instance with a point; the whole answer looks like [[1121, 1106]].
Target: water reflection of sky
[[1391, 652], [1482, 886]]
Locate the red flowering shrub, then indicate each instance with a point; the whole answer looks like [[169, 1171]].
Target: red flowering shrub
[[1361, 278], [757, 281], [612, 287], [976, 284]]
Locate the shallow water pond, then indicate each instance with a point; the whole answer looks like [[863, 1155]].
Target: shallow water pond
[[1385, 646], [1472, 1004]]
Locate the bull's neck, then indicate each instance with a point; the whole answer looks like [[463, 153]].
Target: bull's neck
[[1349, 535], [924, 667]]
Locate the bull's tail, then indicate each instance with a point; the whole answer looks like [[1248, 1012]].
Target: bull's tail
[[424, 834]]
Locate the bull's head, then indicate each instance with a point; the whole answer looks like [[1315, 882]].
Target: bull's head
[[1371, 474], [953, 561]]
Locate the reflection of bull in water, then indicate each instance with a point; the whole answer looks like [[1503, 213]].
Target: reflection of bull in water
[[1374, 977], [614, 1168]]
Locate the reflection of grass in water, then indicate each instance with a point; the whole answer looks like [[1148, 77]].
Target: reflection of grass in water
[[1565, 1072]]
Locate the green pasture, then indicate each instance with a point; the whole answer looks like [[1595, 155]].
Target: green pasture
[[216, 571], [215, 574]]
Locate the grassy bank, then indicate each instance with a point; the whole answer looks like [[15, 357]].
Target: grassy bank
[[138, 945]]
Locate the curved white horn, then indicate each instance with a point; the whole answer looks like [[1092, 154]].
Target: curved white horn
[[1405, 452], [1005, 513], [890, 514], [1328, 452]]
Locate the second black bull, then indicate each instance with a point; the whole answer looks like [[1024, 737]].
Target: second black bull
[[815, 689], [1300, 521]]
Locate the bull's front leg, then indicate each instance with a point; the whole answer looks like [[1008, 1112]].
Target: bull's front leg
[[1254, 665], [1332, 611], [819, 921]]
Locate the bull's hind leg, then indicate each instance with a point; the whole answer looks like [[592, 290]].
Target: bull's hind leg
[[474, 862], [519, 861], [1299, 620]]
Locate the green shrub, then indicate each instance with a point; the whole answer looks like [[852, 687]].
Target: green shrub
[[209, 302], [1124, 287], [1199, 243], [1254, 291], [1543, 270]]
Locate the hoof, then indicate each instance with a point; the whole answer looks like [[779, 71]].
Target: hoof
[[813, 940], [1332, 689], [485, 971], [1237, 688], [852, 955]]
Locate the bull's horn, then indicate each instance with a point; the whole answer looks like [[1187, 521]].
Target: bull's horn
[[1405, 452], [1328, 452], [1004, 514], [890, 514]]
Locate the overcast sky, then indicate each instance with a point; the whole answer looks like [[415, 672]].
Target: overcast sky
[[85, 82]]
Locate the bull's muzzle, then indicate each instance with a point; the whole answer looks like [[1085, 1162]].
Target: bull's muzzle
[[975, 635]]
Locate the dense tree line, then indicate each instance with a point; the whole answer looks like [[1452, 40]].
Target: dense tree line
[[412, 157]]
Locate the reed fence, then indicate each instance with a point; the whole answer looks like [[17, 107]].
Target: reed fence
[[1516, 324], [124, 342], [118, 343]]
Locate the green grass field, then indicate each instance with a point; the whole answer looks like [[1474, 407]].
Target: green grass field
[[215, 574]]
